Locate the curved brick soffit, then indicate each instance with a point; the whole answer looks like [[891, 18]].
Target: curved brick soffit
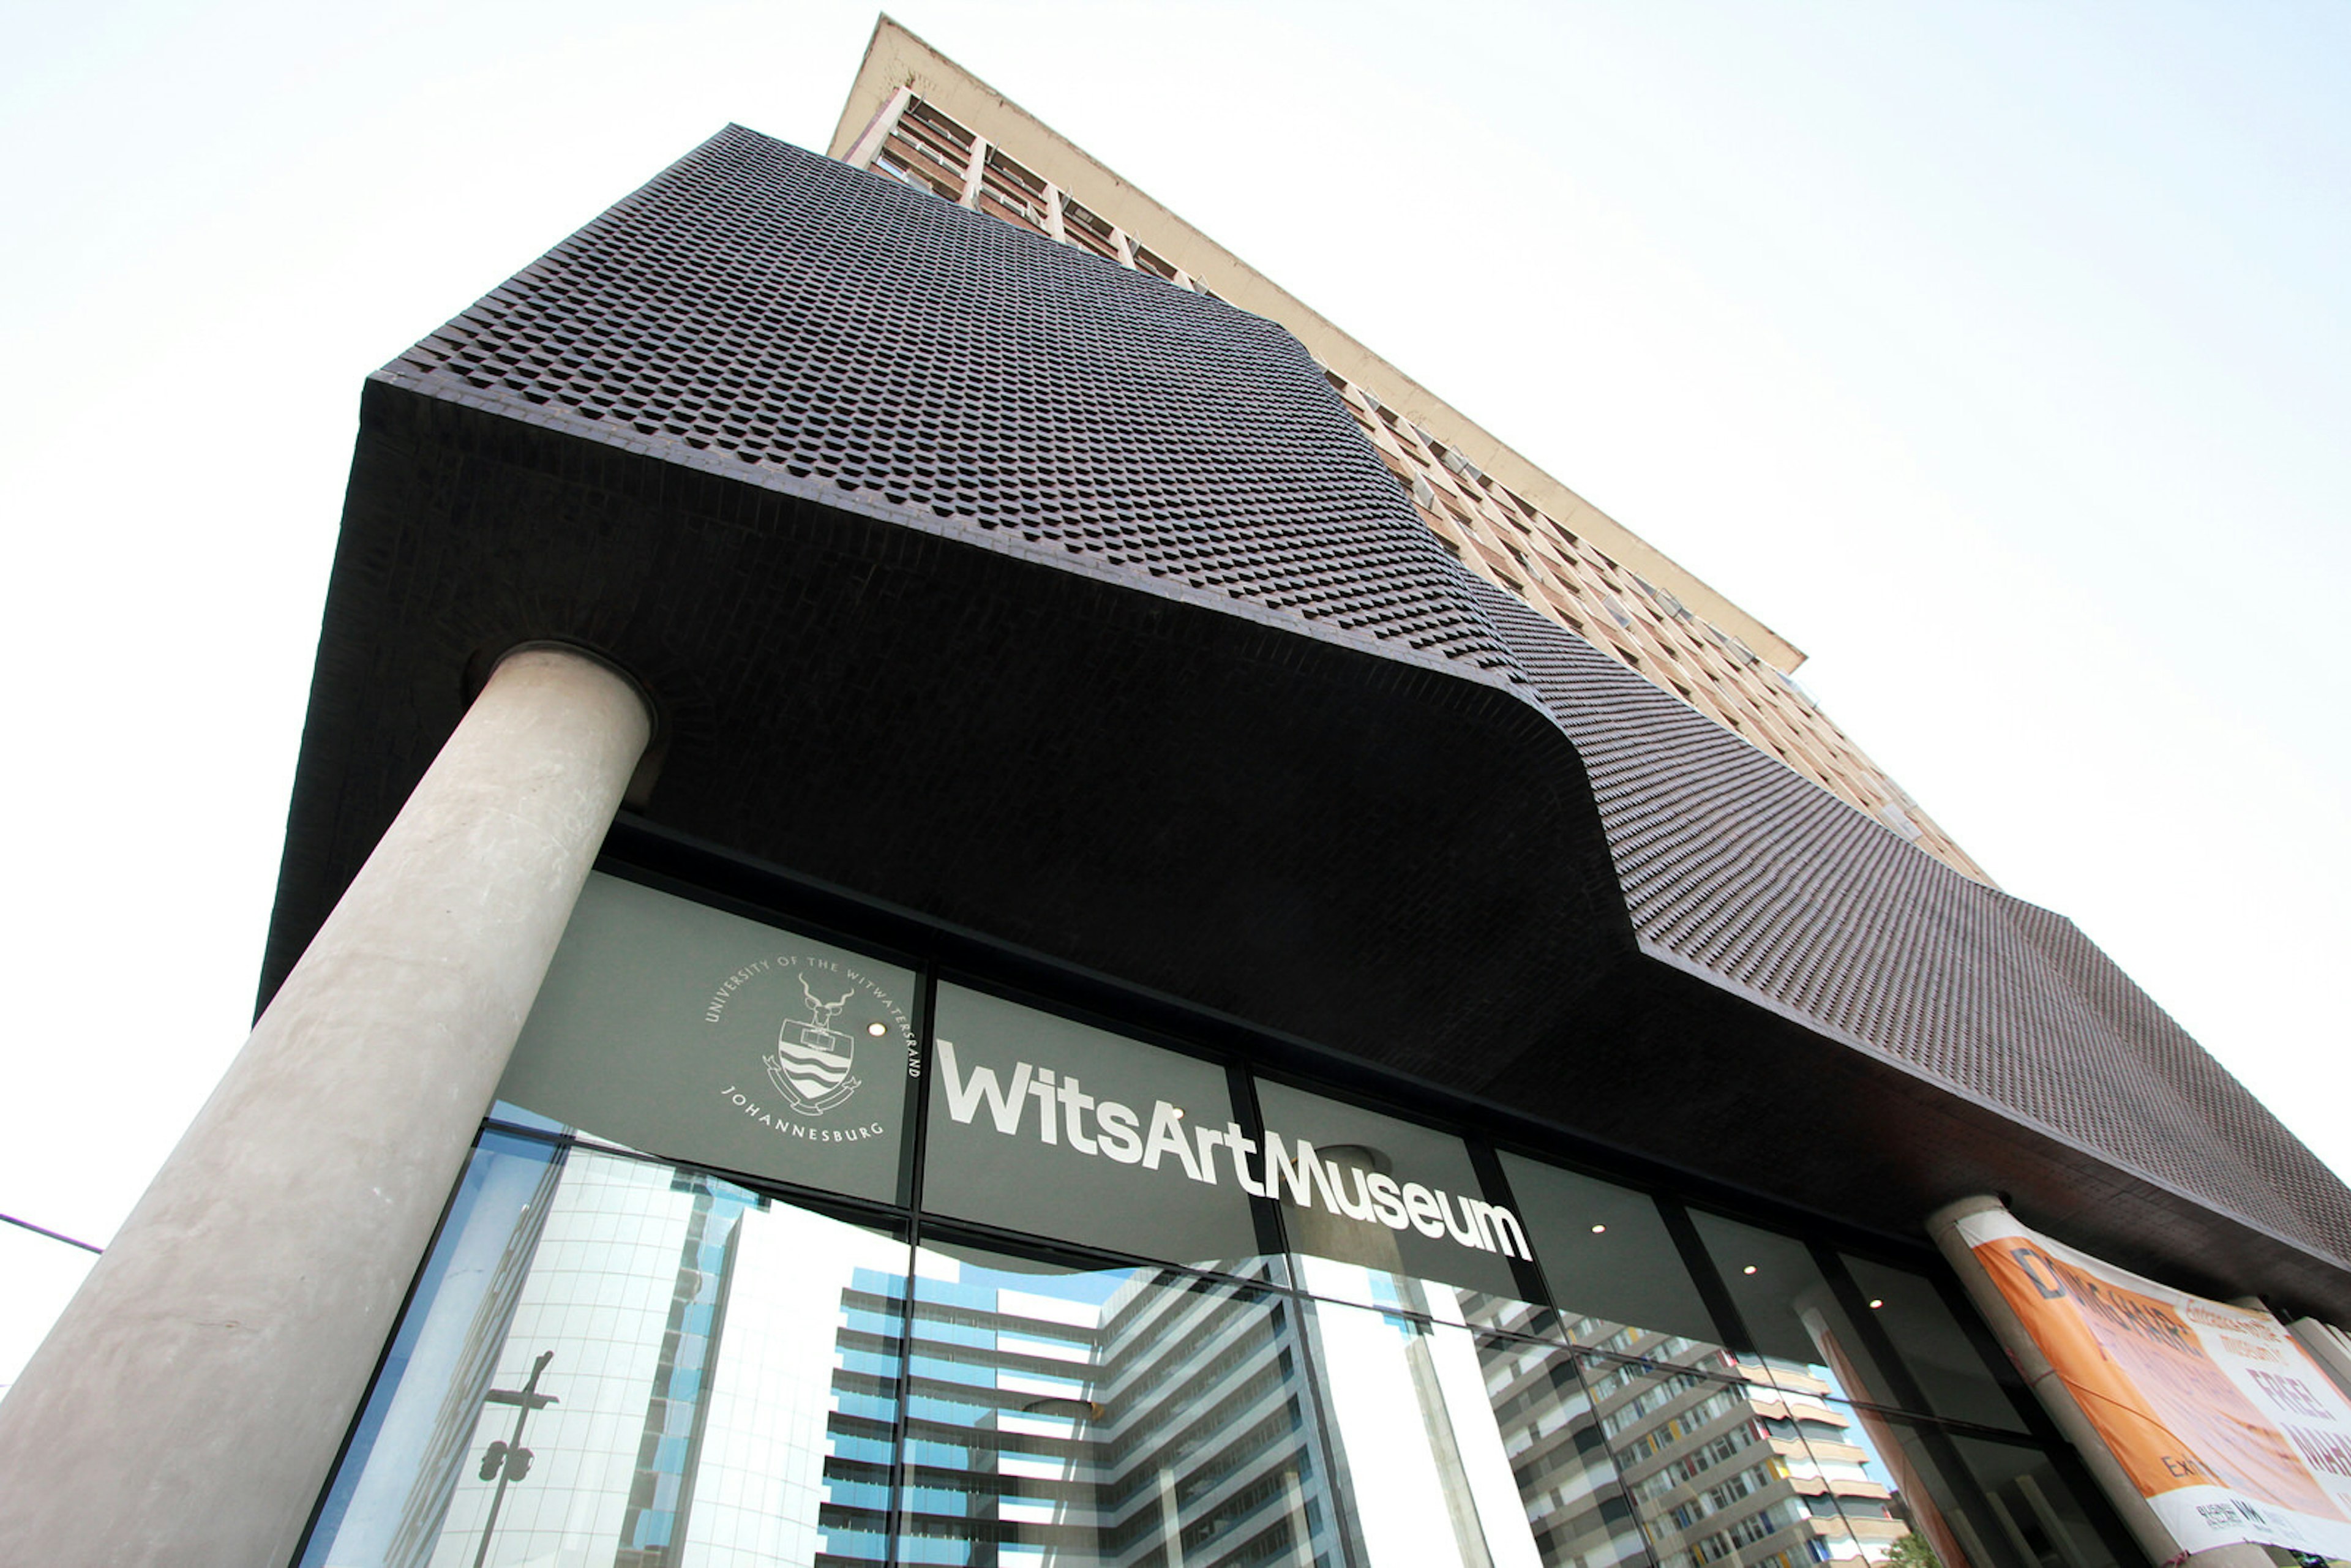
[[762, 312], [1736, 868], [766, 314]]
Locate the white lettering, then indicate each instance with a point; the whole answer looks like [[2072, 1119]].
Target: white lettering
[[1422, 1207], [964, 1095], [1209, 1138], [1334, 1189], [1046, 1114], [1498, 1230], [1278, 1166], [1117, 1124], [1466, 1233], [1242, 1149], [1167, 1138], [1295, 1173], [1073, 1105]]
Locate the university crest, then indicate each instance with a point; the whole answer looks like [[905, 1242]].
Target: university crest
[[812, 1058]]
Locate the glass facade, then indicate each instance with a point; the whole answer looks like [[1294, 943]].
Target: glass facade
[[777, 1251]]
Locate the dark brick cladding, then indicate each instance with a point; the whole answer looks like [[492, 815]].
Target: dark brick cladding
[[789, 316], [774, 318], [1737, 868]]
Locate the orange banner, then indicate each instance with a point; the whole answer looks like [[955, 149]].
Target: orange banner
[[2218, 1417]]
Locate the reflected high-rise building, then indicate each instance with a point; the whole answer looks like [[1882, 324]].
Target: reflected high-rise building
[[1157, 1419], [1147, 1418], [1652, 1440], [686, 1423], [1166, 1422]]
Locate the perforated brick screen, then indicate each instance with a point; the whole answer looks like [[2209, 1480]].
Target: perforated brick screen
[[760, 308], [1736, 864], [765, 313]]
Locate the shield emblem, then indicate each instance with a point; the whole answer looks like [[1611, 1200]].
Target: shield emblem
[[812, 1058]]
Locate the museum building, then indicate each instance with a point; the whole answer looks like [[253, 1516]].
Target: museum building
[[962, 891]]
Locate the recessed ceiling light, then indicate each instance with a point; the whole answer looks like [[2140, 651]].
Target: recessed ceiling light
[[1875, 1304], [877, 1030], [1598, 1229], [1748, 1270]]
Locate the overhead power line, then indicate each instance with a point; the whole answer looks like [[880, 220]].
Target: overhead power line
[[52, 1234]]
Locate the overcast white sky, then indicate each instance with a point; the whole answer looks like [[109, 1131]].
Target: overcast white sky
[[1996, 354]]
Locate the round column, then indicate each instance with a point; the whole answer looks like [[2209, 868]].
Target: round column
[[187, 1406], [2327, 1345]]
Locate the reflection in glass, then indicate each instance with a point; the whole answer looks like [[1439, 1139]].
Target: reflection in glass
[[2034, 1510], [1723, 1466], [654, 1358], [1708, 1476], [1969, 1502], [1122, 1415], [409, 1439], [1954, 1379], [1567, 1482], [1834, 1465], [613, 1360], [1806, 1342], [1426, 1473], [1384, 1194]]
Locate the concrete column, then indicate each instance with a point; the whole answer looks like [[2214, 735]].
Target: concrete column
[[2328, 1346], [2063, 1409], [187, 1406]]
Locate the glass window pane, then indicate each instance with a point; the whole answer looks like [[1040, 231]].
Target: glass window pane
[[1119, 1416], [1968, 1502], [1807, 1344], [1567, 1482], [1834, 1456], [464, 1296], [2045, 1522], [1934, 1348], [1046, 1125], [1747, 1473], [667, 1026], [652, 1358], [1676, 1434], [1607, 1258], [1383, 1197], [1425, 1467]]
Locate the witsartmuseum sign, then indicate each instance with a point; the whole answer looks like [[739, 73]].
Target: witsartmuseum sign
[[693, 1033], [1032, 1102]]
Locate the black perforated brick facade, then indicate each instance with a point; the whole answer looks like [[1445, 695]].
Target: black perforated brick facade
[[1109, 636]]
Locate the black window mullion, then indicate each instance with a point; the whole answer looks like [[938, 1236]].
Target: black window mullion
[[1272, 1230], [1903, 1390], [1274, 1239], [1729, 1325], [910, 1192], [1970, 1319], [1526, 1272]]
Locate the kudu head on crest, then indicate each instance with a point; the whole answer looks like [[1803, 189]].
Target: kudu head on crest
[[823, 1011]]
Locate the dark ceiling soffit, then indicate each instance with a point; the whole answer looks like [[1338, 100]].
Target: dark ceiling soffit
[[1923, 1141], [430, 391], [350, 784], [1207, 797]]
